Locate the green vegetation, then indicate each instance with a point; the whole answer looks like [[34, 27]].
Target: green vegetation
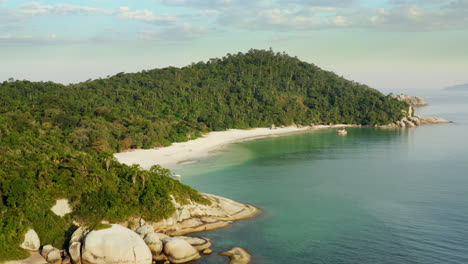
[[56, 141]]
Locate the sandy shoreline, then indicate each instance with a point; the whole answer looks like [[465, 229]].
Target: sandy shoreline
[[203, 147]]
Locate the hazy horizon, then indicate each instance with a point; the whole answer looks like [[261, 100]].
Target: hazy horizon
[[388, 45]]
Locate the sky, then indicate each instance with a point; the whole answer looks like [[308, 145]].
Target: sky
[[386, 44]]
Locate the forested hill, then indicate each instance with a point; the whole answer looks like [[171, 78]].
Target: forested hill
[[56, 141]]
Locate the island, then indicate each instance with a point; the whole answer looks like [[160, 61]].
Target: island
[[460, 87], [62, 190]]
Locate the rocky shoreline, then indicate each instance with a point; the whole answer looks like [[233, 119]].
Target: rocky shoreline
[[137, 241], [414, 121], [194, 217]]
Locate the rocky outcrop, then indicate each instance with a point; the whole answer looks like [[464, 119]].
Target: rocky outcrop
[[194, 217], [114, 245], [432, 120], [237, 255], [31, 241], [415, 121], [414, 101], [180, 251]]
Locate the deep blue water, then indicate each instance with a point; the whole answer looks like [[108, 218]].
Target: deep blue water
[[374, 196]]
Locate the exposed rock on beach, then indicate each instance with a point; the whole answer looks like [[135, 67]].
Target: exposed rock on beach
[[114, 245]]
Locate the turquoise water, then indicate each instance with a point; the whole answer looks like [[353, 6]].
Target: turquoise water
[[374, 196]]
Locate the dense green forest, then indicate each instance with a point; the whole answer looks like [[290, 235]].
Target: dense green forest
[[56, 141]]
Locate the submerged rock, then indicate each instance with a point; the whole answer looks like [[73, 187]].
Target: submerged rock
[[237, 255], [207, 251], [180, 251], [115, 245], [31, 241]]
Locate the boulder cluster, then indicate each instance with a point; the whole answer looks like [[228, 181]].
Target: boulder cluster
[[118, 244], [415, 121]]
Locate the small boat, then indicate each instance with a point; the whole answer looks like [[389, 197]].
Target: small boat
[[342, 132]]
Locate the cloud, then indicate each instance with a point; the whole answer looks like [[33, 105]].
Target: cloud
[[37, 8], [321, 3], [144, 15], [179, 32], [217, 4], [300, 15], [29, 40], [278, 19], [253, 15], [415, 18], [461, 4], [10, 37]]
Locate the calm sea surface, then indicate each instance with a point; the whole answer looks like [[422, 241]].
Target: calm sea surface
[[374, 196]]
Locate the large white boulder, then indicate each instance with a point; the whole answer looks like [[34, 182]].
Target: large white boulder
[[116, 244], [31, 241], [180, 251]]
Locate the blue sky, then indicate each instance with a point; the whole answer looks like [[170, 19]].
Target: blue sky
[[388, 44]]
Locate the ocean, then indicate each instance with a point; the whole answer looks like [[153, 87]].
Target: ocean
[[373, 196]]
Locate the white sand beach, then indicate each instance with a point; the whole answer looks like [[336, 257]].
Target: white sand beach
[[205, 146]]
